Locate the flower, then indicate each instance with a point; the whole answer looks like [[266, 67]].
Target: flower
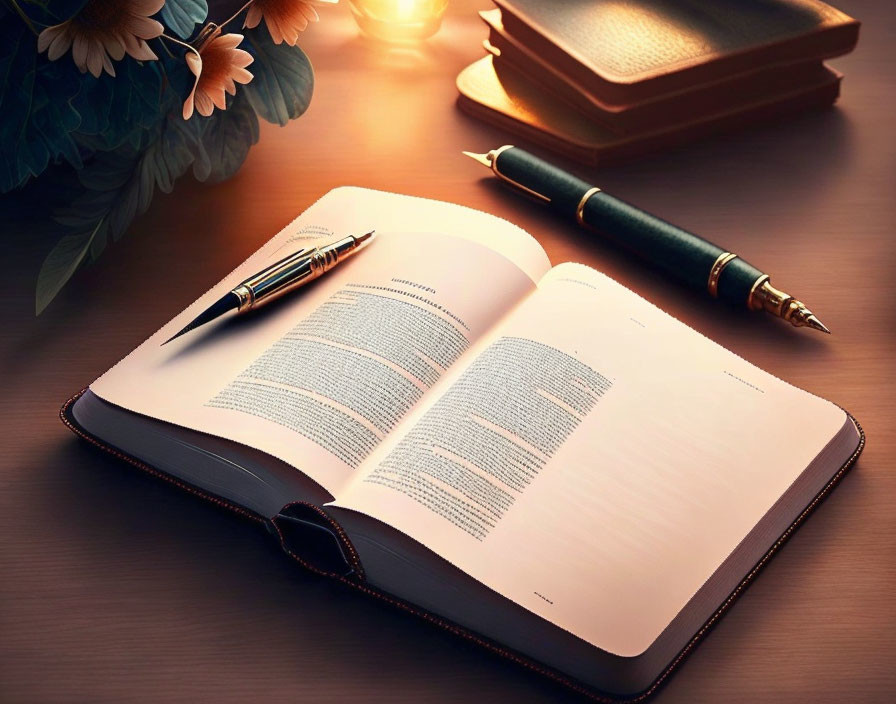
[[103, 29], [284, 18], [218, 66]]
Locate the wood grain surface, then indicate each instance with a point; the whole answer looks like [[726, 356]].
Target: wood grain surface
[[116, 587]]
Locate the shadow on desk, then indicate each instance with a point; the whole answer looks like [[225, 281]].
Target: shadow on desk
[[225, 588]]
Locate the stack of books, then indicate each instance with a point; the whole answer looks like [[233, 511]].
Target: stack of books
[[600, 79]]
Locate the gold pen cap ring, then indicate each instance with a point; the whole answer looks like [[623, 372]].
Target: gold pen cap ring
[[580, 208], [493, 160], [715, 273]]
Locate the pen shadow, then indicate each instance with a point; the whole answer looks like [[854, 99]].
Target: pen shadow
[[745, 167], [774, 174], [236, 325]]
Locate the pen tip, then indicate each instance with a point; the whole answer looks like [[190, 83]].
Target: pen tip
[[816, 324], [224, 305], [481, 158], [175, 336], [366, 236]]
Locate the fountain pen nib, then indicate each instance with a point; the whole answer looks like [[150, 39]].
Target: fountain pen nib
[[216, 310], [481, 158], [816, 324]]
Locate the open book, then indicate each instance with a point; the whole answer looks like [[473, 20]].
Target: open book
[[535, 457]]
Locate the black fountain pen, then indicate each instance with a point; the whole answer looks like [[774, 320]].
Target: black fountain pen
[[680, 254], [282, 277]]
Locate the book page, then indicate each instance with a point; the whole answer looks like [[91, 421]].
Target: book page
[[321, 376], [596, 461]]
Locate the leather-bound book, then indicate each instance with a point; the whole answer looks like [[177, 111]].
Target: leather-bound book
[[627, 52], [557, 471], [656, 111], [505, 96]]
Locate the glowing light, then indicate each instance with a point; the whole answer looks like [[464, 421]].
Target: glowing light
[[399, 20]]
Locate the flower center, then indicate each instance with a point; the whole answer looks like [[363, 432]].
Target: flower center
[[103, 15], [215, 63]]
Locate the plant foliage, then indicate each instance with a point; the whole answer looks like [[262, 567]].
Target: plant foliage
[[284, 80], [125, 134], [183, 15]]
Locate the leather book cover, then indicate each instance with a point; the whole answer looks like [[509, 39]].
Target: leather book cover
[[653, 113], [349, 571], [625, 52], [508, 98]]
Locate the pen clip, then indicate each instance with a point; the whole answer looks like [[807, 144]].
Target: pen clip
[[493, 159]]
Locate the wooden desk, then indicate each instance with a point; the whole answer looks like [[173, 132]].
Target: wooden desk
[[115, 587]]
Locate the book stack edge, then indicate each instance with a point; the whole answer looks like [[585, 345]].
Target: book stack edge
[[600, 81]]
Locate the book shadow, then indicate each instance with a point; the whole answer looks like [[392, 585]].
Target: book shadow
[[229, 579]]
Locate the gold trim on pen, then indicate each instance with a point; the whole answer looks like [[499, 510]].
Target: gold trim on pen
[[246, 297], [491, 160], [715, 273], [580, 208], [754, 302]]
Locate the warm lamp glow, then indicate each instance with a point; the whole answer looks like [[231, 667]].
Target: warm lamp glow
[[399, 20]]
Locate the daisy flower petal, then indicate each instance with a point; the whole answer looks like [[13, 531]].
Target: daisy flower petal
[[103, 31], [219, 66]]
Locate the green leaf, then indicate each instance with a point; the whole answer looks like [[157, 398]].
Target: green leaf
[[63, 260], [118, 109], [169, 158], [35, 104], [182, 15], [117, 187], [226, 139], [284, 80]]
